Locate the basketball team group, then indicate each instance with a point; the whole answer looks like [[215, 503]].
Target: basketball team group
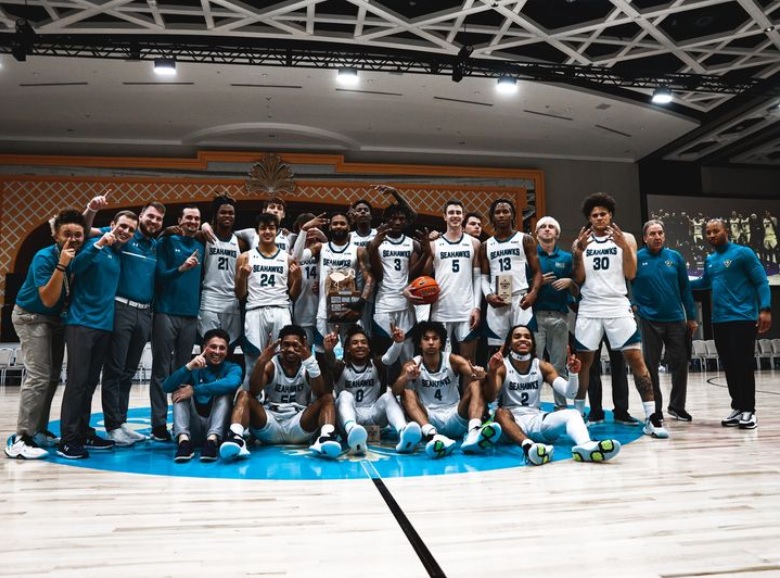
[[443, 339]]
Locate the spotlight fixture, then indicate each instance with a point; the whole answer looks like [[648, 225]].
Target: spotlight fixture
[[165, 66], [465, 51], [457, 72], [507, 85], [662, 95], [23, 40], [348, 76]]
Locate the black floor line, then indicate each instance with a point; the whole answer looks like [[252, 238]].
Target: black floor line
[[427, 559]]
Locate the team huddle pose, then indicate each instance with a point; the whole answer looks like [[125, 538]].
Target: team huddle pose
[[329, 326]]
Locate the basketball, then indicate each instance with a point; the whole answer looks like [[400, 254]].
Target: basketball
[[425, 287]]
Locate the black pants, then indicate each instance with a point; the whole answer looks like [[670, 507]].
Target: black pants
[[619, 382], [656, 334], [736, 343]]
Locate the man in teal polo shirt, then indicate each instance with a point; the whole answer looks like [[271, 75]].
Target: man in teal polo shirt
[[667, 316], [89, 324]]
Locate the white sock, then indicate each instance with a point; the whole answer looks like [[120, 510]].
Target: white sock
[[237, 429], [649, 407], [348, 426], [427, 430], [579, 405], [327, 430], [474, 422]]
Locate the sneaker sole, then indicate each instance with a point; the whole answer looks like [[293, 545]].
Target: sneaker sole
[[438, 450], [182, 459], [68, 457], [729, 424], [748, 426], [208, 459], [607, 449], [409, 439], [229, 451], [356, 440], [330, 450]]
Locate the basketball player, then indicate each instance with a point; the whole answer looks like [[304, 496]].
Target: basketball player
[[202, 394], [305, 307], [395, 260], [361, 214], [362, 397], [503, 259], [219, 305], [275, 206], [430, 394], [604, 257], [472, 225], [269, 280], [455, 266], [516, 380], [296, 401], [339, 255]]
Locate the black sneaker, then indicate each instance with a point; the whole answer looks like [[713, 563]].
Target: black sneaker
[[184, 452], [99, 444], [209, 451], [679, 414], [160, 433], [624, 418], [72, 451], [595, 417]]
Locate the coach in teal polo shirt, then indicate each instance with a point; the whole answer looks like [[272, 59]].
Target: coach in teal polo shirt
[[89, 324], [741, 306], [661, 296]]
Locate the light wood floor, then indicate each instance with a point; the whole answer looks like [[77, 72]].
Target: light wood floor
[[705, 503]]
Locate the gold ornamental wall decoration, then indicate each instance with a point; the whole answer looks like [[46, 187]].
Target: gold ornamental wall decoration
[[270, 177]]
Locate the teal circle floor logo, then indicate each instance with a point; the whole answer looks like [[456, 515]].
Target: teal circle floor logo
[[287, 462]]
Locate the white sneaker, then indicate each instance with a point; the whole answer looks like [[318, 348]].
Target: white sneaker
[[654, 427], [538, 454], [439, 446], [121, 438], [137, 436], [24, 448], [481, 438], [356, 440], [596, 451], [233, 448], [408, 438], [327, 447]]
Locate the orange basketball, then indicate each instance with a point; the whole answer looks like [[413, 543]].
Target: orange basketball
[[425, 287]]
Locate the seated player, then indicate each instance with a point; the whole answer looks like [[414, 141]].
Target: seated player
[[202, 391], [431, 397], [296, 401], [362, 397], [517, 383]]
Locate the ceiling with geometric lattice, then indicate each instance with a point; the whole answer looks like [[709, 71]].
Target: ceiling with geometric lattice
[[76, 77]]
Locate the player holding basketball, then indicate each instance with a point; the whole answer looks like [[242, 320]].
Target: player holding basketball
[[296, 401], [454, 263], [269, 280], [604, 257], [516, 381], [503, 260], [428, 385], [362, 397]]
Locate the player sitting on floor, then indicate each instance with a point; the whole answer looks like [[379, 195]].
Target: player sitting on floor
[[517, 381], [362, 397]]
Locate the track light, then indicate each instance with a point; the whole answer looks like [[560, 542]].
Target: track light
[[662, 95], [507, 85], [465, 51], [165, 66], [348, 76], [457, 72], [23, 40]]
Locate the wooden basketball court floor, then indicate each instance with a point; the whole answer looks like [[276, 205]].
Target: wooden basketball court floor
[[704, 503]]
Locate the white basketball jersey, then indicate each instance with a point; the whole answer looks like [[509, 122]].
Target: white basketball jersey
[[364, 383], [522, 391], [334, 257], [219, 275], [282, 241], [359, 241], [452, 267], [267, 284], [436, 388], [305, 309], [507, 257], [604, 291], [395, 255], [286, 390]]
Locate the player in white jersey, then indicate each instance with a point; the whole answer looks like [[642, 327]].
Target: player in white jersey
[[770, 238], [305, 307], [503, 259], [429, 386], [396, 259], [516, 381], [218, 302], [275, 206], [360, 214], [362, 396], [604, 257], [295, 401], [269, 280], [454, 263]]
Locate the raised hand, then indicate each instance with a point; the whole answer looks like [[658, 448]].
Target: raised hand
[[411, 369], [477, 371], [618, 236], [98, 203], [270, 350], [320, 220], [197, 362], [496, 360], [397, 333], [572, 361], [67, 253], [584, 238], [295, 270], [330, 340], [191, 262], [108, 239]]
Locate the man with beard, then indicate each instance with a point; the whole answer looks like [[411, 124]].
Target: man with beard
[[176, 304], [132, 325], [37, 318], [89, 324], [361, 214], [338, 256], [218, 304]]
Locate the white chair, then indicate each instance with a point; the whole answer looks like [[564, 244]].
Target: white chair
[[606, 366], [146, 362], [712, 352], [764, 351], [775, 351], [6, 361], [699, 353]]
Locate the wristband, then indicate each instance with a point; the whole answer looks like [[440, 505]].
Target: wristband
[[60, 267], [311, 366]]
